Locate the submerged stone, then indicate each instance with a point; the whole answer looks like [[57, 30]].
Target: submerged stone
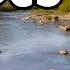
[[50, 69], [0, 51]]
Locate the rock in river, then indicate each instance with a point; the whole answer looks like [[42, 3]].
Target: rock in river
[[63, 52], [0, 51], [65, 28]]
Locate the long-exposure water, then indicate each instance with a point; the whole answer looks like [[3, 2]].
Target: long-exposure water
[[28, 46]]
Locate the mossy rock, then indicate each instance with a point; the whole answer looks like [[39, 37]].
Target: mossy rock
[[49, 17]]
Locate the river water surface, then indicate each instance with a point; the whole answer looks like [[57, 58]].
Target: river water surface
[[28, 46]]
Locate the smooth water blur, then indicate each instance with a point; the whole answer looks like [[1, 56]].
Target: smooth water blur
[[28, 46]]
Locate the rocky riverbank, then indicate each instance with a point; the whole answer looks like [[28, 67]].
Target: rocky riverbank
[[44, 18]]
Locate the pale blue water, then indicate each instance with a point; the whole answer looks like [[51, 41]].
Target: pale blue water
[[26, 45]]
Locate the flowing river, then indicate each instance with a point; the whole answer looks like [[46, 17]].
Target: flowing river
[[28, 46]]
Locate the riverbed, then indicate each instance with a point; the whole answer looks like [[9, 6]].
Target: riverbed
[[28, 46]]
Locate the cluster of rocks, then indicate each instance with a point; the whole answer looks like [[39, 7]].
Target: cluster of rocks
[[42, 19], [65, 28]]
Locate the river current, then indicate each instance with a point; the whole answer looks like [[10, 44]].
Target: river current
[[28, 46]]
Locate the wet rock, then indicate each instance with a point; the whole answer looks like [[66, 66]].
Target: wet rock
[[29, 17], [63, 52], [68, 28], [26, 18], [65, 28]]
